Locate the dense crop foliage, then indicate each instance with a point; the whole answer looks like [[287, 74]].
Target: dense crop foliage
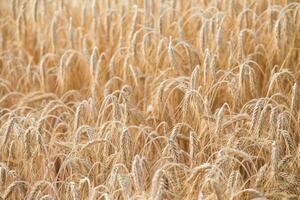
[[149, 99]]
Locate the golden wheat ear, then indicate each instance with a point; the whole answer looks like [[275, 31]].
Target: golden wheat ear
[[149, 99]]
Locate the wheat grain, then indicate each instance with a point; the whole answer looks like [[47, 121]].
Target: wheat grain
[[16, 184], [294, 98], [2, 176], [35, 10], [274, 159], [84, 187], [217, 190], [277, 29], [202, 36], [219, 120], [8, 130], [37, 187], [74, 192], [47, 197], [54, 30]]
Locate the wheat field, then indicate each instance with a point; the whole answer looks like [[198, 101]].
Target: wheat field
[[149, 99]]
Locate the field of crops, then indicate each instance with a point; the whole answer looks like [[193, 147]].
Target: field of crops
[[149, 99]]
